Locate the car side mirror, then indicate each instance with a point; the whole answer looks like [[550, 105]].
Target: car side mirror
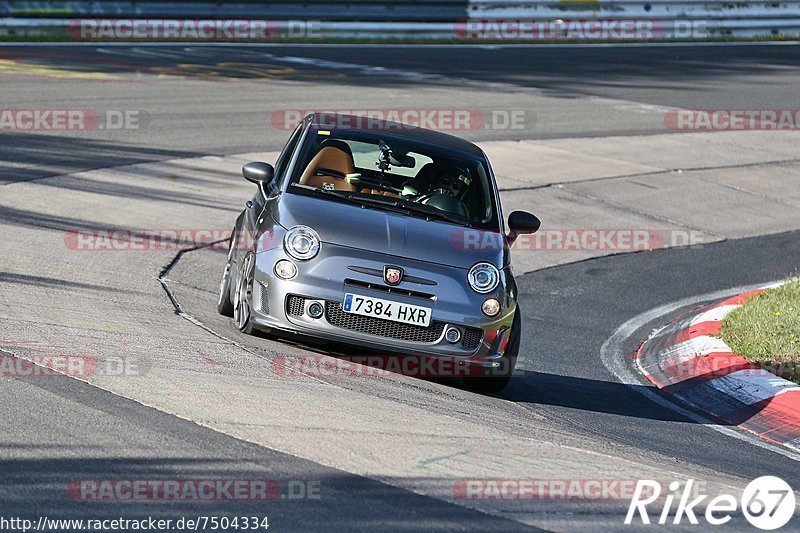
[[520, 222], [258, 172]]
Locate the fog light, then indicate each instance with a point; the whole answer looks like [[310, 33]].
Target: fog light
[[315, 310], [490, 307], [453, 335], [285, 269]]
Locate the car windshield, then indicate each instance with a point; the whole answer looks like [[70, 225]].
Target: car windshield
[[394, 173]]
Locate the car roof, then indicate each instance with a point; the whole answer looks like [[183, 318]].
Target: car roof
[[398, 130]]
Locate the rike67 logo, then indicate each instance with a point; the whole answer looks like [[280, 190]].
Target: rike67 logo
[[767, 503]]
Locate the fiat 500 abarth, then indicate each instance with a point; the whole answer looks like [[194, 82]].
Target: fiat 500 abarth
[[386, 237]]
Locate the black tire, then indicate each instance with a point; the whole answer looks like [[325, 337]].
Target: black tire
[[243, 294], [494, 380], [224, 303]]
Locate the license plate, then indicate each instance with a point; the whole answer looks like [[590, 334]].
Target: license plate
[[387, 310]]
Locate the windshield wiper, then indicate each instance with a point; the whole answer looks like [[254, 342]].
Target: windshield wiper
[[414, 208], [328, 193], [435, 213], [394, 205]]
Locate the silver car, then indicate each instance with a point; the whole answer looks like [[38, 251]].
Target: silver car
[[384, 237]]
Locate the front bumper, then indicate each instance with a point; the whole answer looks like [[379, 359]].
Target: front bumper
[[282, 305]]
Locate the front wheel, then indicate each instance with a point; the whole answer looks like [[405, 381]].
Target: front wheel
[[494, 380], [242, 296]]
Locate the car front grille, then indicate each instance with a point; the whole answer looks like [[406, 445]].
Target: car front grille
[[472, 338], [263, 298], [380, 327], [295, 306]]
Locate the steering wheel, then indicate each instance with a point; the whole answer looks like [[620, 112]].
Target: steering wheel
[[421, 199], [430, 194], [445, 202]]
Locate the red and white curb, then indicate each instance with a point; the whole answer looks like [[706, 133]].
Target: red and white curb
[[687, 360]]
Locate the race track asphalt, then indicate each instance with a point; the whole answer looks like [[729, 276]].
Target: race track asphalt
[[562, 407]]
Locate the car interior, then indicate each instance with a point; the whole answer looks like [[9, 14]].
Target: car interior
[[440, 184], [330, 167]]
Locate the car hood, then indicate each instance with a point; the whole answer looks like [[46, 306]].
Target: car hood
[[391, 233]]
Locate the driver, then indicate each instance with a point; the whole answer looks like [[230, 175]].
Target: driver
[[454, 183], [448, 194]]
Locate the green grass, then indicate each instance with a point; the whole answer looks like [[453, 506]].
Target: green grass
[[766, 330]]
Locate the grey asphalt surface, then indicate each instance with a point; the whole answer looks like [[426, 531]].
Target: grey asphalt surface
[[60, 429], [194, 109], [713, 76]]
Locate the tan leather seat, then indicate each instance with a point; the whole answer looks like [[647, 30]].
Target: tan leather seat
[[327, 170]]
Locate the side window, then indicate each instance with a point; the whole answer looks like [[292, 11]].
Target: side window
[[286, 154]]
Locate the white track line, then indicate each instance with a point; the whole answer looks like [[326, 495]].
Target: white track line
[[614, 357]]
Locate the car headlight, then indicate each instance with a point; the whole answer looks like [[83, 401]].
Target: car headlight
[[483, 277], [491, 307], [285, 269], [301, 242]]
